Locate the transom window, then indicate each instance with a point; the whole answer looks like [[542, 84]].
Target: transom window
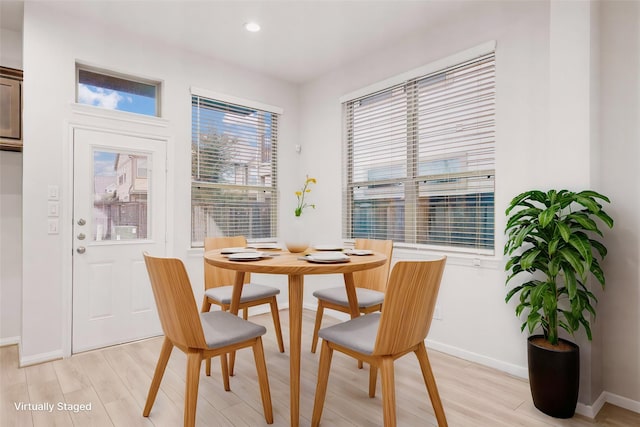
[[233, 170], [419, 165], [114, 91]]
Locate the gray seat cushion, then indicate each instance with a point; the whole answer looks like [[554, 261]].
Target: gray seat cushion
[[357, 334], [338, 295], [250, 292], [222, 328]]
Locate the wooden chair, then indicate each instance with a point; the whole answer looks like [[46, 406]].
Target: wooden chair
[[380, 338], [198, 335], [218, 285], [370, 288]]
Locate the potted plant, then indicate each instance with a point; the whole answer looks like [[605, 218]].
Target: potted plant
[[552, 242]]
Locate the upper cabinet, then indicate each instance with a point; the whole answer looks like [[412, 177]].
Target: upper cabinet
[[10, 109]]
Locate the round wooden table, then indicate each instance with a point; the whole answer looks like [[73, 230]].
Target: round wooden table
[[295, 268]]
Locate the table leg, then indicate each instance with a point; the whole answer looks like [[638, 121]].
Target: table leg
[[296, 283], [237, 291], [353, 300], [351, 294], [234, 308]]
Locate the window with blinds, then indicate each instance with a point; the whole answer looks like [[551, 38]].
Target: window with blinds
[[420, 160], [233, 171]]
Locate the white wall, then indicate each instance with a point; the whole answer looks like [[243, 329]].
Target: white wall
[[10, 213], [547, 97], [10, 48], [52, 45], [619, 308], [531, 54], [476, 323]]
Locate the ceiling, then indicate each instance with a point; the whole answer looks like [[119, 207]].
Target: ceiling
[[299, 41]]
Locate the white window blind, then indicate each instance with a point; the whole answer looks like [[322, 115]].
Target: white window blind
[[420, 160], [233, 169]]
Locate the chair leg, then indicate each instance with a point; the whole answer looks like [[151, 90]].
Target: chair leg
[[232, 363], [324, 366], [167, 346], [194, 360], [373, 378], [263, 380], [206, 306], [430, 382], [316, 327], [224, 367], [388, 392], [276, 323], [245, 313]]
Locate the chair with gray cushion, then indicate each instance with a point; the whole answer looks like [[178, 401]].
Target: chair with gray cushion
[[370, 287], [380, 338], [198, 335], [218, 285]]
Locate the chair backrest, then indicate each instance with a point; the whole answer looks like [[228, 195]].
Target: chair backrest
[[408, 306], [374, 278], [216, 276], [175, 301]]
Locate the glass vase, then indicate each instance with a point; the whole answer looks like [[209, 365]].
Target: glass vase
[[296, 238]]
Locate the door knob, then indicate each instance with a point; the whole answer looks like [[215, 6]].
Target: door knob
[[81, 250], [81, 221], [81, 236]]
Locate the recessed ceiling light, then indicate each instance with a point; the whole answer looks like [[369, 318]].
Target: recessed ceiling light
[[252, 27]]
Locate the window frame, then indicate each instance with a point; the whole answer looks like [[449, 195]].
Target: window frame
[[156, 84], [410, 213], [236, 104]]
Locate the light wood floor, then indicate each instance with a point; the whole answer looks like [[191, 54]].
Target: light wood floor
[[115, 381]]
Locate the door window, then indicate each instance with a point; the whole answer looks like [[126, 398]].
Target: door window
[[120, 195]]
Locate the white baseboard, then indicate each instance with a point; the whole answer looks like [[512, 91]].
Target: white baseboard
[[515, 370], [623, 402], [9, 341], [41, 358], [592, 410]]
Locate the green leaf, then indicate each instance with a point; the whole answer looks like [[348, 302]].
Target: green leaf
[[512, 292], [564, 230], [547, 215], [587, 328], [554, 266], [533, 320], [594, 195], [570, 281], [584, 221], [522, 217], [596, 270], [582, 245], [602, 250], [529, 258], [574, 259], [605, 218], [588, 203]]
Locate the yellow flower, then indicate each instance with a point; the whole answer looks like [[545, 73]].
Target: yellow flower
[[300, 195]]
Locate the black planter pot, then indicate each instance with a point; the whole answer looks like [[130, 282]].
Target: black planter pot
[[554, 376]]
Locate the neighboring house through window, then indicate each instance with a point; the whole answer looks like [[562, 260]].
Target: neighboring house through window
[[233, 168], [420, 159]]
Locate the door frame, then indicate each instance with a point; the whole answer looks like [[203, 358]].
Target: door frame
[[115, 122]]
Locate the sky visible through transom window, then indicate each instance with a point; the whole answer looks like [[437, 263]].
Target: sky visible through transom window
[[116, 93]]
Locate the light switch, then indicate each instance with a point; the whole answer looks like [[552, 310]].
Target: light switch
[[53, 225], [53, 209], [53, 192]]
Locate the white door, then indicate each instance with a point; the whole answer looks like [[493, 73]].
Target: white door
[[119, 212]]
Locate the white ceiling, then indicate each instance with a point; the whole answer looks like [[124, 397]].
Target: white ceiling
[[300, 40]]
